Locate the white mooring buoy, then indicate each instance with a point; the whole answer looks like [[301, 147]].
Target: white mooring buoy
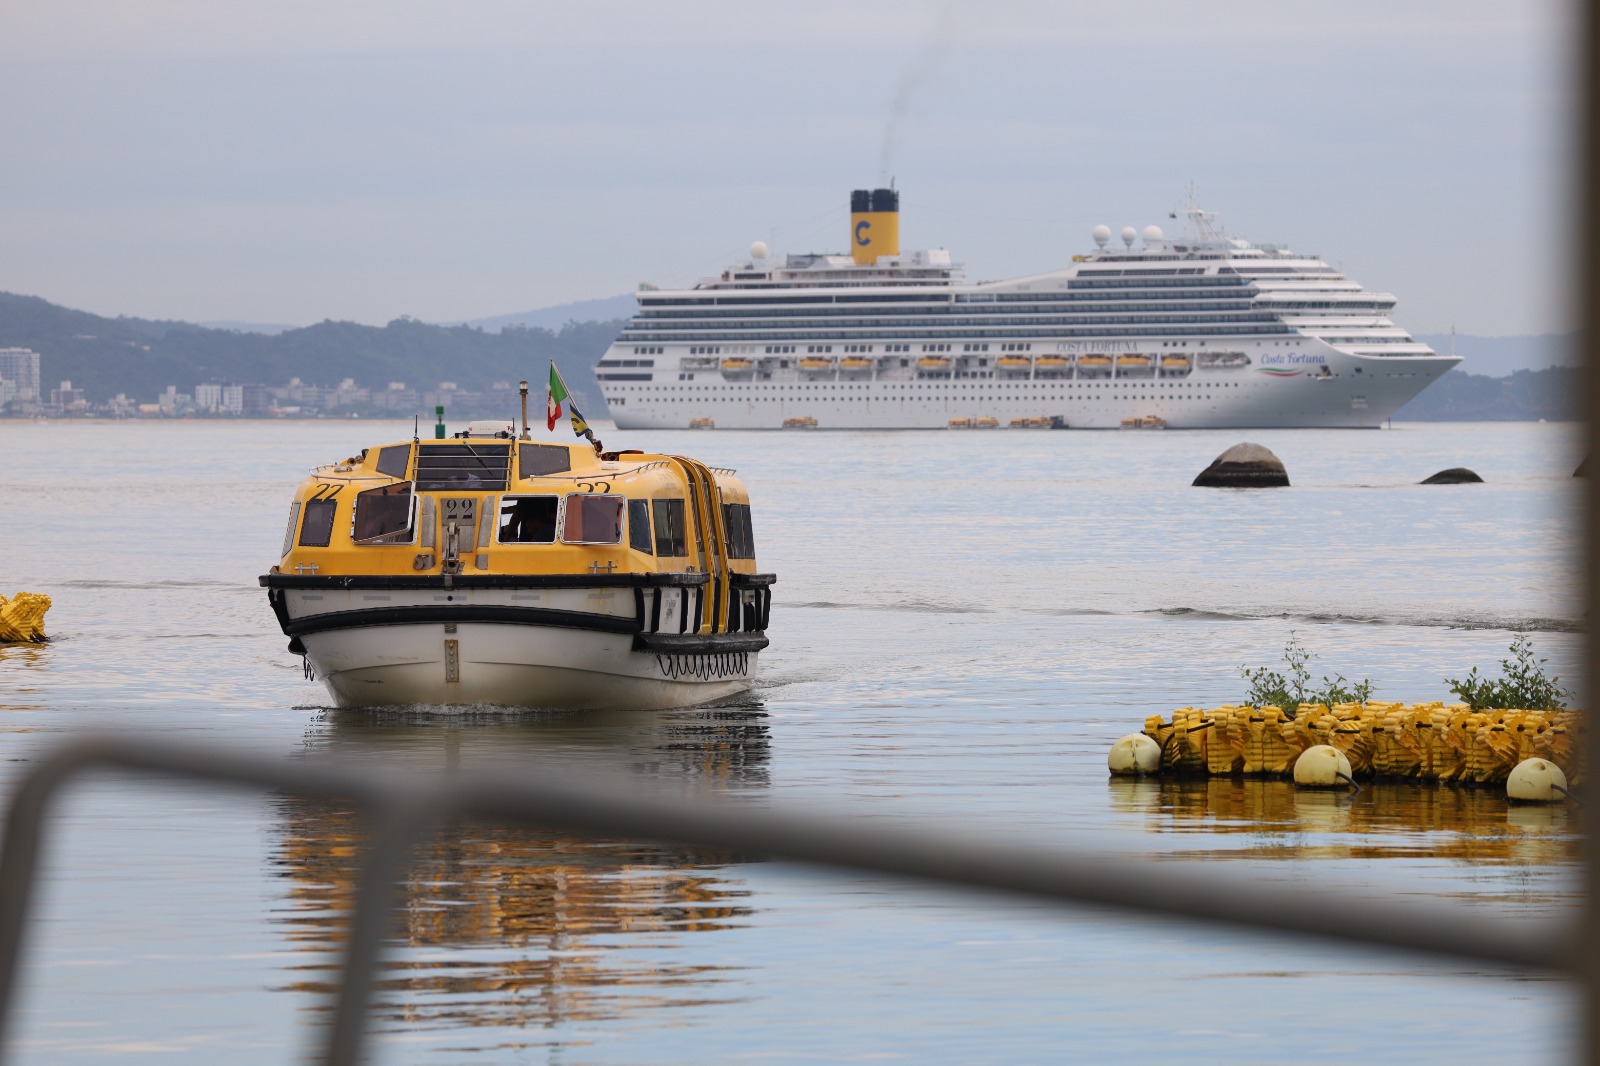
[[1322, 766], [1537, 781], [1134, 754]]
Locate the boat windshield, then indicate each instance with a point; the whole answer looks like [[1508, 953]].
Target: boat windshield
[[473, 467], [383, 515], [394, 460], [537, 460]]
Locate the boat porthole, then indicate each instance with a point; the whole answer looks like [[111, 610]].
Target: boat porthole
[[449, 597]]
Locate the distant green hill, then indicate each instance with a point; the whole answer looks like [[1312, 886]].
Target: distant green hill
[[1526, 396], [1501, 356], [140, 358]]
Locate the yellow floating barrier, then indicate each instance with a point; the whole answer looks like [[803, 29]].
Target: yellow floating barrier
[[1445, 743], [22, 618]]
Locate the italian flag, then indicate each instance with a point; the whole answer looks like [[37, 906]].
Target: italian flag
[[558, 392]]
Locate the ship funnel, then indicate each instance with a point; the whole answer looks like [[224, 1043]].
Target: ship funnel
[[874, 225]]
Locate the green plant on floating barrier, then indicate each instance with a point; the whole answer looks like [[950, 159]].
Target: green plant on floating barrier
[[1289, 690], [1524, 686]]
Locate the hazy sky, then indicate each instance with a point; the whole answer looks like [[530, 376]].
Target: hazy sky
[[363, 159]]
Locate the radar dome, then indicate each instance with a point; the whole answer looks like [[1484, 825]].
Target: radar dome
[[758, 250], [1128, 234], [1153, 233], [1102, 234]]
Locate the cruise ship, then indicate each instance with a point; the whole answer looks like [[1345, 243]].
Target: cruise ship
[[1203, 331]]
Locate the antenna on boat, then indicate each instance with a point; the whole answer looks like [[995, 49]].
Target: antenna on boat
[[416, 429], [522, 387]]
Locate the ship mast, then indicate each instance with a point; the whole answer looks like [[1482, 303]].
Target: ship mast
[[1204, 222]]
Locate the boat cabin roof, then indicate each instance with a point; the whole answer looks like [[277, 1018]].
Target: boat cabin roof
[[498, 463]]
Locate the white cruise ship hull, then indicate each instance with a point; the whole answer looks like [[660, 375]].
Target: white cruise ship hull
[[1356, 393]]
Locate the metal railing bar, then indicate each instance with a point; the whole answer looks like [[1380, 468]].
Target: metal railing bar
[[1580, 260], [397, 826], [408, 806]]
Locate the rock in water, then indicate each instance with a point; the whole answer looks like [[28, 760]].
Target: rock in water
[[1244, 466], [1456, 475]]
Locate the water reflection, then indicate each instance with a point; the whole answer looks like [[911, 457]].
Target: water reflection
[[1274, 820], [18, 693], [506, 926]]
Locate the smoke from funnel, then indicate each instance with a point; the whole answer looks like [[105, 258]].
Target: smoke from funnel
[[919, 70]]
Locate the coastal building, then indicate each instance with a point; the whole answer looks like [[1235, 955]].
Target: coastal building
[[68, 399], [397, 397], [349, 394], [172, 401], [19, 368], [254, 402]]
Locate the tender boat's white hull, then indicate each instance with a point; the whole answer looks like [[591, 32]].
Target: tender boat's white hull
[[516, 666], [590, 643]]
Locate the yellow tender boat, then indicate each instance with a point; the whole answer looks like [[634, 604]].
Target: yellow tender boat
[[485, 570]]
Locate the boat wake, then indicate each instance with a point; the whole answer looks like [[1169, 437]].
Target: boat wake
[[901, 607], [1531, 624], [166, 583], [1527, 623]]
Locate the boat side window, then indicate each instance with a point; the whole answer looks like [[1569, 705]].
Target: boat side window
[[394, 460], [639, 526], [316, 526], [528, 519], [537, 460], [669, 527], [593, 519], [288, 534], [383, 515], [741, 540]]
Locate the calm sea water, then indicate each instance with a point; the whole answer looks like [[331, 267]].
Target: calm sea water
[[963, 625]]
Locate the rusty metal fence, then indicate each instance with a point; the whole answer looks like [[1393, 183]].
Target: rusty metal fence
[[404, 812]]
